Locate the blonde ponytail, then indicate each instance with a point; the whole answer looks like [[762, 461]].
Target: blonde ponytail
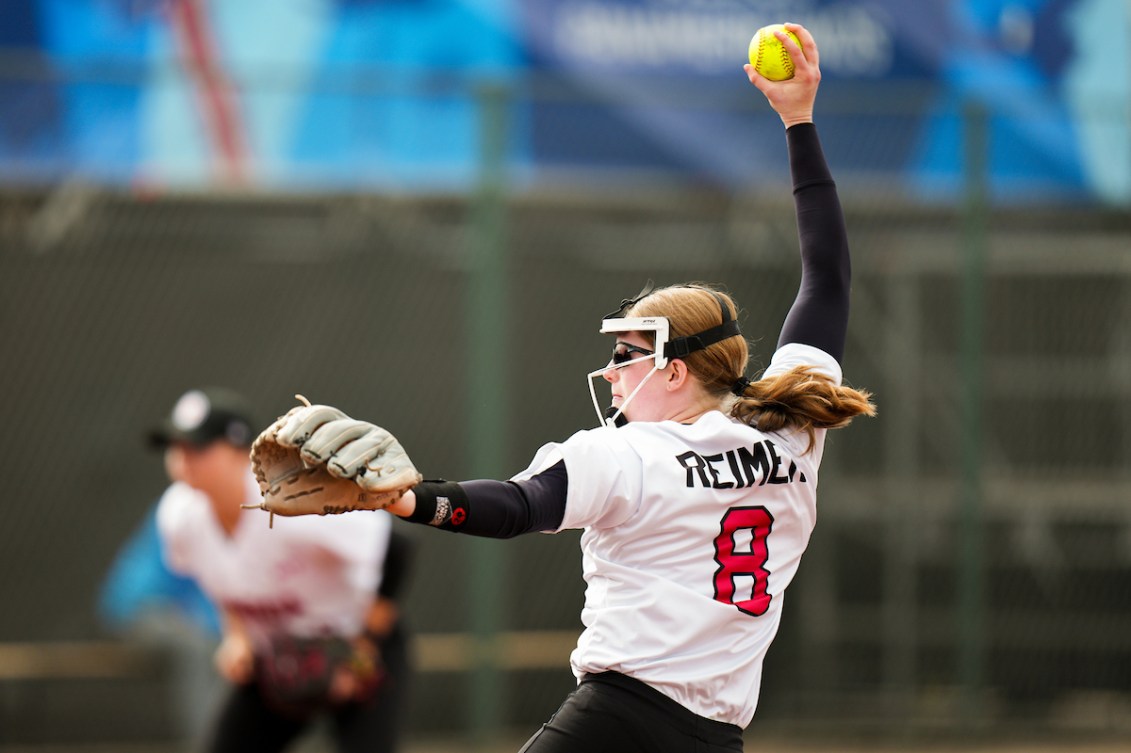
[[800, 398]]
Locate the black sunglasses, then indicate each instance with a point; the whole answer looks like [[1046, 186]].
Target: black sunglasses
[[623, 353]]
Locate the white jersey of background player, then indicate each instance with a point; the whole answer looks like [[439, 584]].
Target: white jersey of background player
[[303, 577]]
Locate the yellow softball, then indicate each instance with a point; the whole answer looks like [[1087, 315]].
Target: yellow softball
[[769, 56]]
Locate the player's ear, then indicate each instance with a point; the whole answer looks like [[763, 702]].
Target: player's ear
[[677, 374]]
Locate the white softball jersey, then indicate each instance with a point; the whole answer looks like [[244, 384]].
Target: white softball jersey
[[691, 534], [305, 576]]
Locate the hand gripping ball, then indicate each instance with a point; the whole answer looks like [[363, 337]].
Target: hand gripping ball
[[769, 56]]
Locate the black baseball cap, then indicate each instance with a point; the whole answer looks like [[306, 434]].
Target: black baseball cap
[[202, 416]]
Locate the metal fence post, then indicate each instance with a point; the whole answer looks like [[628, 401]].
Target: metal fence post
[[971, 522], [488, 334]]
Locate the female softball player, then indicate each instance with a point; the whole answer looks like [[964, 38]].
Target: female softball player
[[697, 496], [309, 627]]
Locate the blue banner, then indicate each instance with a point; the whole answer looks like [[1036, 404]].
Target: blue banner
[[901, 82], [372, 94]]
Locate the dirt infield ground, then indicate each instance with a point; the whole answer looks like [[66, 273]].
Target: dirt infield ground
[[929, 746], [1122, 745], [512, 745], [1107, 746]]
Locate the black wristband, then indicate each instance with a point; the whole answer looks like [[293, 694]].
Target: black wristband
[[440, 503]]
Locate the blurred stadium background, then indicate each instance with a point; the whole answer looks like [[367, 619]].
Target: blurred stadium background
[[418, 210]]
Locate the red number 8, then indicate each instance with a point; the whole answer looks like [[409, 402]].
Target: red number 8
[[753, 563]]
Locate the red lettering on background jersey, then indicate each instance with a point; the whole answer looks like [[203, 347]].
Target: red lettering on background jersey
[[266, 610], [752, 564]]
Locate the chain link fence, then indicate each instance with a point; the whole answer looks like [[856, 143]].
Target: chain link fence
[[971, 571]]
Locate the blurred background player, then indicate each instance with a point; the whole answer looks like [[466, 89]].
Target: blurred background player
[[310, 627]]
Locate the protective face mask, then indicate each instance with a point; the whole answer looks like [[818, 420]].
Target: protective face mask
[[611, 416], [658, 326]]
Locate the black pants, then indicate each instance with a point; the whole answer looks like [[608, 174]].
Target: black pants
[[612, 713], [247, 724]]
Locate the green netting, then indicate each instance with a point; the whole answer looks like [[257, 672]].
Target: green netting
[[113, 304]]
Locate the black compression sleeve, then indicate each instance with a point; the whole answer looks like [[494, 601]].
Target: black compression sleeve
[[819, 315], [495, 509], [398, 560]]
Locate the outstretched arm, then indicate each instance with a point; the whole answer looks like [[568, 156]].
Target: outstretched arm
[[819, 315], [495, 509], [316, 460]]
